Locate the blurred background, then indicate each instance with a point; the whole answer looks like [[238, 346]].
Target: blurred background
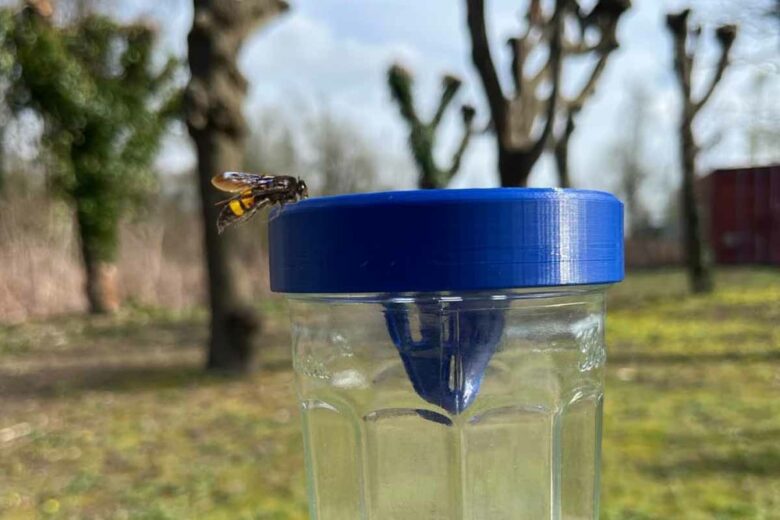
[[144, 364]]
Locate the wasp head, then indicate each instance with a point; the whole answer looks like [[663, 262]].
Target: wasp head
[[301, 190]]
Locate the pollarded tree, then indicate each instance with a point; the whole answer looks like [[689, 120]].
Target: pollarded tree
[[104, 109], [518, 113], [422, 134], [694, 244]]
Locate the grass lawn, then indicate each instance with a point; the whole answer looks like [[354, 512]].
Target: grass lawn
[[113, 418]]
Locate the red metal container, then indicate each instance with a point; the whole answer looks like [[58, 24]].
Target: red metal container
[[744, 215]]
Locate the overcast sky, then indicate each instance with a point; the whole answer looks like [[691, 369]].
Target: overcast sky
[[335, 53]]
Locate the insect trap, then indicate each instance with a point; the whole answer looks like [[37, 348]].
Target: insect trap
[[450, 334]]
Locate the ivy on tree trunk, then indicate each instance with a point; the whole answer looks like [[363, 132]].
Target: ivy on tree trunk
[[104, 108]]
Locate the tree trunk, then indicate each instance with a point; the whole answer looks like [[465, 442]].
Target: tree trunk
[[698, 266], [234, 324], [2, 150], [213, 105], [514, 166], [100, 276], [697, 260], [561, 153], [562, 163]]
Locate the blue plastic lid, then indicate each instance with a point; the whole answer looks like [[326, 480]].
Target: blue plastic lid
[[446, 240]]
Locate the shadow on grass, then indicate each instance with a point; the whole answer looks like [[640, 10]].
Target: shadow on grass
[[720, 437], [762, 462], [72, 381], [176, 334], [715, 357], [83, 335]]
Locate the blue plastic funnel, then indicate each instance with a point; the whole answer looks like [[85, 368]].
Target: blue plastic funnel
[[446, 364]]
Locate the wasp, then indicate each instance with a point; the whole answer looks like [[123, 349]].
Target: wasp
[[252, 192]]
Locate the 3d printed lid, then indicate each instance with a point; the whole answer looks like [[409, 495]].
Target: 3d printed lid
[[446, 240]]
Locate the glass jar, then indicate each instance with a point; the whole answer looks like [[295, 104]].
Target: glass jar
[[449, 349]]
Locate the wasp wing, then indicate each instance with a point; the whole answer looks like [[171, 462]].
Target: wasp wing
[[259, 193], [235, 182]]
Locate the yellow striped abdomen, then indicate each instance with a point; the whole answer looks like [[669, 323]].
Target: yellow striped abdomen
[[240, 206], [236, 207]]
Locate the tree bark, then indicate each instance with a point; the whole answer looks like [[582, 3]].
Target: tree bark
[[698, 265], [2, 154], [213, 103], [561, 152], [100, 277], [514, 166], [100, 285]]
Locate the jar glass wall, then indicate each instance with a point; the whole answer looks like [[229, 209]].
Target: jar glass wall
[[451, 405]]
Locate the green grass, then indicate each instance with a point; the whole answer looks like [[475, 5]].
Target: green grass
[[692, 416], [113, 418]]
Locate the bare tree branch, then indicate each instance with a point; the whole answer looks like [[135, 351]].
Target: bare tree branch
[[518, 58], [604, 17], [400, 82], [726, 35], [535, 80], [450, 86], [575, 104], [535, 16], [678, 26], [554, 64], [483, 61], [570, 48], [467, 114]]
